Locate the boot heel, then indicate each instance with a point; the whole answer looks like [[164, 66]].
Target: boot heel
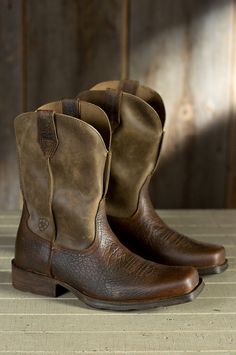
[[27, 281]]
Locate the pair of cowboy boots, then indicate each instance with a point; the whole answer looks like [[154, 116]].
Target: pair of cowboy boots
[[72, 186]]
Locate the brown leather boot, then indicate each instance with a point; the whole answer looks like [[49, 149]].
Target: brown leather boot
[[64, 241], [137, 117]]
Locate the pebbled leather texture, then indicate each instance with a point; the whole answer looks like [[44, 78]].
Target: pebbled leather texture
[[109, 271], [146, 234], [106, 270], [32, 252]]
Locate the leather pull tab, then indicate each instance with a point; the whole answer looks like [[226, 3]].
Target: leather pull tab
[[47, 135], [71, 107], [113, 101], [129, 86]]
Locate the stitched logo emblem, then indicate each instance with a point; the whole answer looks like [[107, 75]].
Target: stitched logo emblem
[[43, 224]]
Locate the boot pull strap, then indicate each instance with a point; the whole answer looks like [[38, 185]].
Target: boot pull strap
[[113, 102], [47, 134], [129, 86], [71, 107]]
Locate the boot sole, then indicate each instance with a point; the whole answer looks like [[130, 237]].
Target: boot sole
[[214, 269], [28, 281]]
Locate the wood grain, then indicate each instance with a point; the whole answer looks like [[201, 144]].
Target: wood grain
[[231, 188], [125, 26], [11, 99], [125, 342], [71, 46], [183, 50]]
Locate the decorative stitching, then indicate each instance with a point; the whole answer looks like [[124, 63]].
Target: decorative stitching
[[43, 224]]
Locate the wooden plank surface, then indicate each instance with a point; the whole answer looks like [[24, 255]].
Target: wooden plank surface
[[32, 324], [183, 49]]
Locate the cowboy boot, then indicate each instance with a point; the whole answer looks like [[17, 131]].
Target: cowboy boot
[[137, 116], [64, 241]]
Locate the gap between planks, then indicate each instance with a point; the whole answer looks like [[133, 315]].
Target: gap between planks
[[114, 331], [215, 352]]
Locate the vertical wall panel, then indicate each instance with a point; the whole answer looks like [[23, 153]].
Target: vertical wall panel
[[10, 99], [185, 49], [71, 45], [231, 183], [182, 49], [124, 36]]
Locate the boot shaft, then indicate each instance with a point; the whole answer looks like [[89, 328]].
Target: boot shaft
[[136, 141], [133, 87], [63, 170]]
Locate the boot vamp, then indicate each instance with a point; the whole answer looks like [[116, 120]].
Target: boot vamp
[[177, 249], [107, 270], [146, 234]]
